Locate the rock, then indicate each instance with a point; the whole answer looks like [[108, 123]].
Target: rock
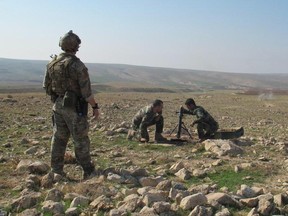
[[280, 199], [150, 181], [222, 147], [148, 211], [28, 212], [54, 195], [51, 207], [201, 211], [144, 190], [7, 145], [174, 192], [151, 198], [223, 199], [25, 201], [128, 192], [115, 178], [121, 130], [131, 203], [176, 167], [31, 150], [70, 196], [203, 188], [190, 202], [24, 141], [223, 212], [23, 165], [268, 197], [199, 173], [246, 192], [253, 212], [38, 167], [80, 201], [250, 202], [265, 207], [183, 174], [164, 185], [33, 182], [258, 191], [101, 203], [109, 133], [139, 172], [47, 180], [72, 212], [161, 207], [117, 212]]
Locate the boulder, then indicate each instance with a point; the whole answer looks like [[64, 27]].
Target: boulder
[[183, 174], [72, 212], [54, 195], [115, 178], [101, 203], [47, 180], [223, 212], [161, 207], [265, 207], [51, 207], [250, 202], [25, 202], [253, 212], [222, 147], [148, 211], [174, 192], [201, 211], [246, 192], [164, 185], [223, 199], [23, 165], [151, 198], [176, 167], [28, 212], [117, 212], [190, 202], [38, 167], [80, 201], [150, 181]]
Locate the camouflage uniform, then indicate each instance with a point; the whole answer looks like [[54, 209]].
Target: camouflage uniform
[[206, 124], [145, 118], [67, 73]]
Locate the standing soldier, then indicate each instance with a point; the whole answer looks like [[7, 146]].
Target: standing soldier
[[206, 124], [148, 116], [67, 82]]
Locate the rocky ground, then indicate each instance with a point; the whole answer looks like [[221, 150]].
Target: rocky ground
[[246, 176]]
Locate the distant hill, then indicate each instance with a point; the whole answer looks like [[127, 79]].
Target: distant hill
[[30, 73]]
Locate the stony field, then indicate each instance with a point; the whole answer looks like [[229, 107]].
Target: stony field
[[247, 176]]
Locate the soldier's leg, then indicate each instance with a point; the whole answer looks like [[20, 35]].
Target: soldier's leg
[[159, 124], [59, 142], [144, 131], [200, 130], [80, 128]]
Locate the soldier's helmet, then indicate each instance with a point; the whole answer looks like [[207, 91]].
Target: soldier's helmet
[[70, 42]]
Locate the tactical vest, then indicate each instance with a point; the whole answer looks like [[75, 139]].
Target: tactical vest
[[60, 74]]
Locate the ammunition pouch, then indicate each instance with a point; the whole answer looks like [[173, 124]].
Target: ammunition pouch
[[70, 99]]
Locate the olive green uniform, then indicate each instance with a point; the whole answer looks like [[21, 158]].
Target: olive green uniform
[[67, 73], [206, 124], [144, 118]]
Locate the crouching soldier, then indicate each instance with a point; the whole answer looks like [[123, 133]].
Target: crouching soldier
[[206, 124], [146, 117]]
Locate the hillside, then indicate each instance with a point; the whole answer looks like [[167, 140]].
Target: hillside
[[30, 73]]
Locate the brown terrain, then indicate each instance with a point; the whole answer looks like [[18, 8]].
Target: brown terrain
[[246, 176]]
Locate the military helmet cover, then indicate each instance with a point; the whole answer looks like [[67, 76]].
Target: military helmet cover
[[70, 42]]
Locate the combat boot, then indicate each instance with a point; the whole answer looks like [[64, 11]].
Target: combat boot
[[159, 138]]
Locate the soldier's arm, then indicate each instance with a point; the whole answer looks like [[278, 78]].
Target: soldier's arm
[[85, 87], [185, 111]]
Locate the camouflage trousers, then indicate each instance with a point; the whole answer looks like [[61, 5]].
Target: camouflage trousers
[[143, 126], [66, 123], [206, 130]]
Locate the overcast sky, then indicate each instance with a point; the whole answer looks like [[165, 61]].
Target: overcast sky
[[222, 35]]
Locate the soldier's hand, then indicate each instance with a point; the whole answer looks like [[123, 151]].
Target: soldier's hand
[[96, 114]]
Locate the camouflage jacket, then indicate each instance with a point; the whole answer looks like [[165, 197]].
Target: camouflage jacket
[[146, 115], [67, 72], [201, 114]]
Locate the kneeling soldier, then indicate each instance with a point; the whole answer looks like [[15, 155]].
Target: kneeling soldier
[[206, 124], [148, 116]]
